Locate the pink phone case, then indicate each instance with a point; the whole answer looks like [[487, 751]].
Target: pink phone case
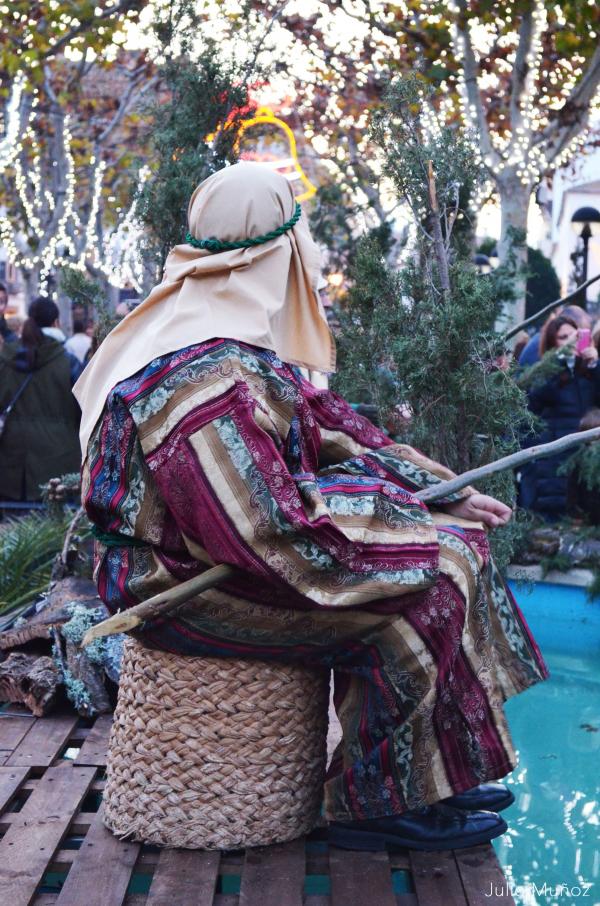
[[584, 339]]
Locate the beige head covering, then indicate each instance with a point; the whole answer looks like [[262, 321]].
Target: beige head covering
[[264, 295]]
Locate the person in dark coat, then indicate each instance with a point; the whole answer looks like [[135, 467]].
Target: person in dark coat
[[560, 402], [6, 334], [40, 440]]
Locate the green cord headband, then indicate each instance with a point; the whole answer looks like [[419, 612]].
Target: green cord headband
[[216, 245]]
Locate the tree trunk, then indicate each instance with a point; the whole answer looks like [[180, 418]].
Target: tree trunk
[[31, 283], [31, 680], [512, 248], [64, 308]]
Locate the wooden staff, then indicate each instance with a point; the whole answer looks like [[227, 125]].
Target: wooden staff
[[169, 601]]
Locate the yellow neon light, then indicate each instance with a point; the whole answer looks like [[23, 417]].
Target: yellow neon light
[[264, 115]]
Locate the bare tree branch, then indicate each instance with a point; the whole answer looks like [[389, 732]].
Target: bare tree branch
[[471, 72], [568, 121], [521, 68], [69, 534], [436, 229], [126, 102], [259, 44], [390, 31], [364, 177], [112, 12]]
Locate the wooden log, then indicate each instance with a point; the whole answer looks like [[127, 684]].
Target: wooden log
[[14, 638], [53, 611], [84, 680], [30, 679]]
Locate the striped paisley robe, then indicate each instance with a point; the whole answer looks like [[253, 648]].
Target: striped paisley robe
[[221, 453]]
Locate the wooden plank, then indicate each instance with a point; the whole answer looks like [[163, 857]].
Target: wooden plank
[[44, 741], [10, 781], [360, 878], [185, 877], [436, 879], [482, 876], [102, 868], [37, 830], [274, 875], [95, 747], [13, 727]]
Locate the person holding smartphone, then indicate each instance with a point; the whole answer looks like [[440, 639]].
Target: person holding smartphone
[[560, 402]]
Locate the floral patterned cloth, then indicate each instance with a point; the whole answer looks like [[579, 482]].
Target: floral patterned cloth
[[221, 453]]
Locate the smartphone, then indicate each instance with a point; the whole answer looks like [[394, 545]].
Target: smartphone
[[584, 340]]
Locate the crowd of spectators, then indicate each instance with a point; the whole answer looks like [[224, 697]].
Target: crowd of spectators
[[566, 401]]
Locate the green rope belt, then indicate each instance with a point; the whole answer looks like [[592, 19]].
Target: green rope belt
[[116, 539], [216, 245]]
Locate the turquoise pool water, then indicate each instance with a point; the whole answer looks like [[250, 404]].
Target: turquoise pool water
[[551, 853]]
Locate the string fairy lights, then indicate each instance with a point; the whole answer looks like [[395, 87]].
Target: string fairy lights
[[58, 219], [121, 252], [527, 146]]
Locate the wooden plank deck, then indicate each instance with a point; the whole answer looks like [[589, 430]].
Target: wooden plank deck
[[55, 851]]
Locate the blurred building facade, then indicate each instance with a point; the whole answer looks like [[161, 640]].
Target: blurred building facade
[[572, 187]]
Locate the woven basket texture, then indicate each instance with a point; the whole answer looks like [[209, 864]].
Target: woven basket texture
[[212, 753]]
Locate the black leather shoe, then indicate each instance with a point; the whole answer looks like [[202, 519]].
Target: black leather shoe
[[433, 828], [492, 797]]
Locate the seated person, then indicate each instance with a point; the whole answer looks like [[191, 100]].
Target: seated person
[[204, 444]]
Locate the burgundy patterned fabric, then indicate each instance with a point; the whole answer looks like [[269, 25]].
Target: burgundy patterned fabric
[[221, 453]]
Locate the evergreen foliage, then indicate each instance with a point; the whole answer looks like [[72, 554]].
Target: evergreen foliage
[[538, 374], [331, 217], [543, 285], [28, 547], [195, 124], [585, 465], [203, 95], [423, 336], [84, 291]]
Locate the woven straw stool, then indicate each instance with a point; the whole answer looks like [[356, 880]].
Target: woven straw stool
[[212, 753]]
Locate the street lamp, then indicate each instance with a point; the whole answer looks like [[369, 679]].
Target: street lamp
[[585, 222]]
